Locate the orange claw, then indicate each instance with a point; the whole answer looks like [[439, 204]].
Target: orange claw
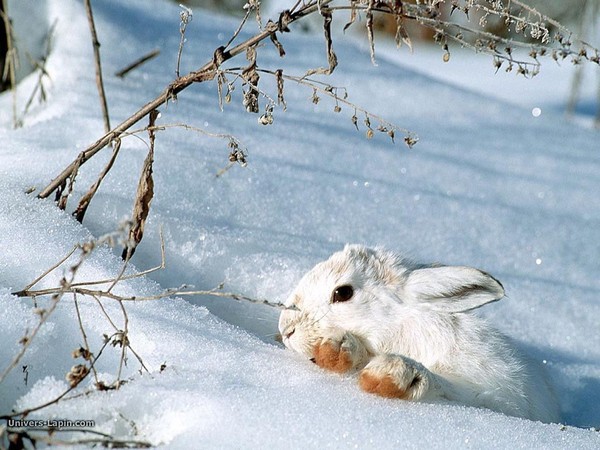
[[382, 386], [330, 357]]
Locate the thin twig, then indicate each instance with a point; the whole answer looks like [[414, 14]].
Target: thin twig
[[104, 439], [121, 276], [11, 62], [98, 65], [85, 200], [105, 313], [239, 29], [186, 17], [99, 293], [330, 91], [84, 335], [78, 288], [40, 65], [26, 340], [185, 126], [58, 398], [137, 63], [124, 342], [112, 281], [65, 287], [52, 268]]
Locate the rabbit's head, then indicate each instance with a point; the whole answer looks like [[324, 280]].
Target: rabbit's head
[[372, 292]]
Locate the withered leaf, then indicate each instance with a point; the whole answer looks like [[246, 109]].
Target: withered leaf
[[144, 195], [331, 56]]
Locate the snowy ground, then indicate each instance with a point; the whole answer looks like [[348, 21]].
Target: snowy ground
[[488, 185]]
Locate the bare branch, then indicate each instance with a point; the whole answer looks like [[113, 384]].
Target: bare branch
[[137, 63], [51, 269], [11, 62], [186, 16], [87, 353], [58, 398], [40, 65], [204, 73], [103, 439], [98, 65], [85, 200], [26, 340]]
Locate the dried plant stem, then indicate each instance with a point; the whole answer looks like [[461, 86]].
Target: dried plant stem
[[124, 342], [185, 126], [83, 334], [204, 73], [40, 65], [104, 440], [236, 155], [100, 293], [10, 64], [58, 398], [85, 200], [98, 65], [81, 289], [51, 269], [26, 340], [137, 63], [65, 286], [111, 281], [119, 337], [532, 11], [103, 309], [330, 91], [186, 17], [239, 29]]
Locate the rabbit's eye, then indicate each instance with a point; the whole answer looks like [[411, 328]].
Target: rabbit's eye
[[342, 294]]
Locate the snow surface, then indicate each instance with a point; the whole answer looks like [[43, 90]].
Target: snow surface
[[488, 185]]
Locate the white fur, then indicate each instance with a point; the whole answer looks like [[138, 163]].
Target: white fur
[[408, 319]]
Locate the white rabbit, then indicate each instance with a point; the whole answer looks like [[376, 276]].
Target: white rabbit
[[406, 328]]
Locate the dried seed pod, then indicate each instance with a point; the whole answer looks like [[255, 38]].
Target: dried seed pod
[[76, 374], [250, 101], [266, 119], [315, 97], [410, 141], [446, 56], [238, 156], [83, 353], [279, 78]]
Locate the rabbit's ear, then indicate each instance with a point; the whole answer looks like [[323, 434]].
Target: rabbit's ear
[[452, 289]]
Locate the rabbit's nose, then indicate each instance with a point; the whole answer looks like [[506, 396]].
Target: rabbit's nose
[[287, 330], [288, 333], [287, 320]]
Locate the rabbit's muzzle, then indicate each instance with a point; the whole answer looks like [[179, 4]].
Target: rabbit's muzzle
[[298, 331]]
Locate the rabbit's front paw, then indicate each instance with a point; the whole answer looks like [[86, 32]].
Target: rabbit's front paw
[[340, 352], [395, 376]]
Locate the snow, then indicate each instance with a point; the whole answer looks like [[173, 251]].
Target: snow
[[488, 185]]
